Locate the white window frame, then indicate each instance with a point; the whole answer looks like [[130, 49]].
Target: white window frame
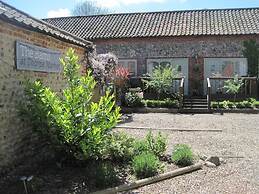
[[218, 62], [127, 61]]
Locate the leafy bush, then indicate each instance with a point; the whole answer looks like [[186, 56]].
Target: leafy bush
[[226, 104], [241, 105], [145, 165], [161, 80], [133, 100], [253, 102], [168, 103], [231, 104], [256, 103], [140, 146], [120, 147], [214, 105], [105, 175], [233, 86], [155, 145], [251, 52], [182, 155], [72, 123]]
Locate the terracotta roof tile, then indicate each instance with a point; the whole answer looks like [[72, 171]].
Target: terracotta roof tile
[[172, 23]]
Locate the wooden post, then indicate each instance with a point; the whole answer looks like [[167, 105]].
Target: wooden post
[[181, 91], [209, 93]]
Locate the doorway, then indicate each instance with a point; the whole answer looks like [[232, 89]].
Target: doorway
[[196, 76]]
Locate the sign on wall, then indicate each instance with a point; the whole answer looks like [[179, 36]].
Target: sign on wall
[[36, 58]]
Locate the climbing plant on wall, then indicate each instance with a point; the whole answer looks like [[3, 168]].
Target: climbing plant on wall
[[251, 52]]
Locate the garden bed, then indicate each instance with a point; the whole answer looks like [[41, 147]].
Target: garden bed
[[148, 110], [239, 151], [246, 106], [49, 178], [248, 111]]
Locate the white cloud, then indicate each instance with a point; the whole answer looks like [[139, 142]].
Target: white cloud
[[117, 3], [58, 13], [121, 3]]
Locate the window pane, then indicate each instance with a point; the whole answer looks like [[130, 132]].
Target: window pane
[[151, 66], [122, 63], [227, 69], [165, 63], [130, 64], [132, 68]]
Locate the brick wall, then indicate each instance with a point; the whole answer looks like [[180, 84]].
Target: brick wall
[[16, 139], [144, 48]]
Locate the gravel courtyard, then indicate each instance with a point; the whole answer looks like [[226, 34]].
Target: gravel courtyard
[[238, 144]]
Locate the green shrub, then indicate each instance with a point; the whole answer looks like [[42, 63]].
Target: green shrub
[[161, 80], [214, 105], [167, 103], [221, 105], [105, 175], [240, 105], [133, 100], [145, 165], [155, 145], [120, 147], [140, 146], [182, 155], [233, 86], [225, 104], [231, 104], [253, 102], [71, 122]]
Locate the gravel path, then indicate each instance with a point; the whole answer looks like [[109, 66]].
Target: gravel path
[[239, 138]]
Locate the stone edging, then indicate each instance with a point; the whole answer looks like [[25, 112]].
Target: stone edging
[[169, 129], [248, 111], [150, 180], [149, 110], [176, 110]]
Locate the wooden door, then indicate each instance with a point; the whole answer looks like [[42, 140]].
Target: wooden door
[[196, 76]]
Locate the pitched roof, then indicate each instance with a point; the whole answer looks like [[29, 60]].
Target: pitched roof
[[154, 24], [15, 16]]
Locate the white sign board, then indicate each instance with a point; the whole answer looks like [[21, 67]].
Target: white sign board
[[36, 58]]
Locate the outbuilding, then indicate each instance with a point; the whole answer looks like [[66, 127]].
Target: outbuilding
[[199, 43]]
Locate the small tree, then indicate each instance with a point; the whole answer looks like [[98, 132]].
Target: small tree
[[89, 7], [161, 80], [233, 86], [72, 123], [251, 52]]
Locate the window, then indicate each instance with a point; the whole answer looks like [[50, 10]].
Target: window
[[225, 67], [131, 65], [181, 65]]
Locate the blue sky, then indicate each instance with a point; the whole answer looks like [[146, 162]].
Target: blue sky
[[59, 8]]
